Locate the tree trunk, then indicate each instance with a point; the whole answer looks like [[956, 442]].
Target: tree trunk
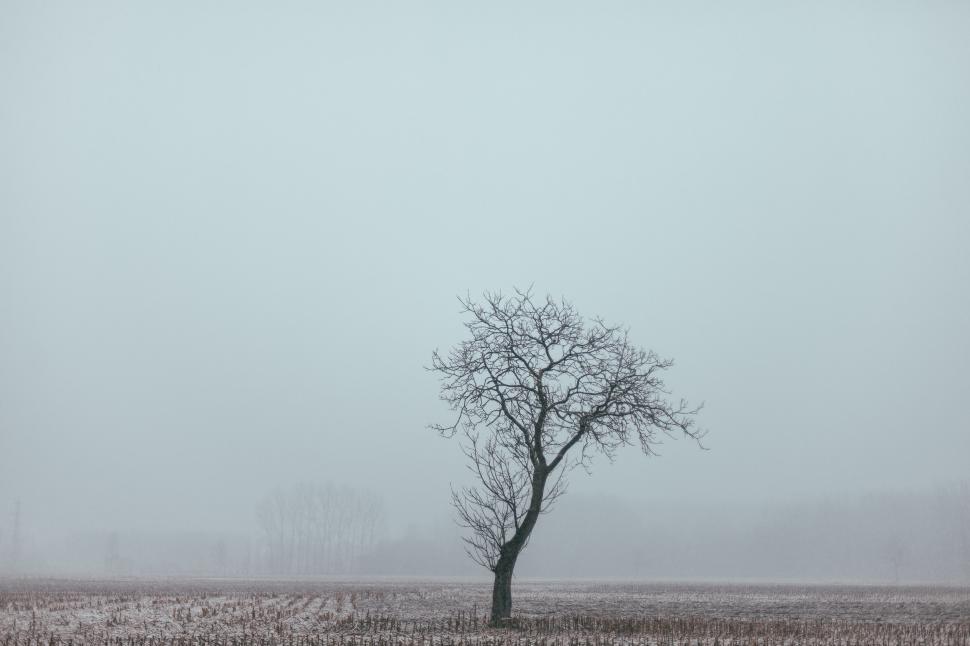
[[502, 592], [502, 588]]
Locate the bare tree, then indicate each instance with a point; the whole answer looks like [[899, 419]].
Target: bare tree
[[319, 529], [538, 390]]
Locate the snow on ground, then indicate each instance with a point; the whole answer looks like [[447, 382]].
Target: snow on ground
[[308, 612]]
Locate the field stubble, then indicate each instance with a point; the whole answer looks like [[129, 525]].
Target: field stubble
[[411, 613]]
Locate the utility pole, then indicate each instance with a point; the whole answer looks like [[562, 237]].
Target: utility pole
[[15, 546]]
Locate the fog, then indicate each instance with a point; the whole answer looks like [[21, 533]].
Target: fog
[[231, 235]]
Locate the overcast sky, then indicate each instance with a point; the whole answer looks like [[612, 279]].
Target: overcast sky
[[231, 234]]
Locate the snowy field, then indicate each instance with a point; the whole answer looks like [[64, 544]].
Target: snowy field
[[451, 613]]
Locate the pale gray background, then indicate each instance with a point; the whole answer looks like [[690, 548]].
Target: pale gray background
[[232, 233]]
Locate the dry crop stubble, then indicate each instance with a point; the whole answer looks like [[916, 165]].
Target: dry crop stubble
[[451, 613]]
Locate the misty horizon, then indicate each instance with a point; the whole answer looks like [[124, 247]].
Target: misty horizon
[[876, 538]]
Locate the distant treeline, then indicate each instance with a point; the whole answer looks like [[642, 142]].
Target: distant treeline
[[318, 529], [885, 537], [330, 529]]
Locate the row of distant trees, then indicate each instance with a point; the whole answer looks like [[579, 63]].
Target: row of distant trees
[[318, 528], [920, 536], [308, 528], [890, 537]]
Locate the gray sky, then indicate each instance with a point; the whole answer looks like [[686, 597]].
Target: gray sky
[[231, 234]]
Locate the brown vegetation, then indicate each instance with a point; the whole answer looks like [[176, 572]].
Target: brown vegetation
[[316, 613]]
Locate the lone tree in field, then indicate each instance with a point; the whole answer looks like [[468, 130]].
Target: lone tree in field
[[539, 390]]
